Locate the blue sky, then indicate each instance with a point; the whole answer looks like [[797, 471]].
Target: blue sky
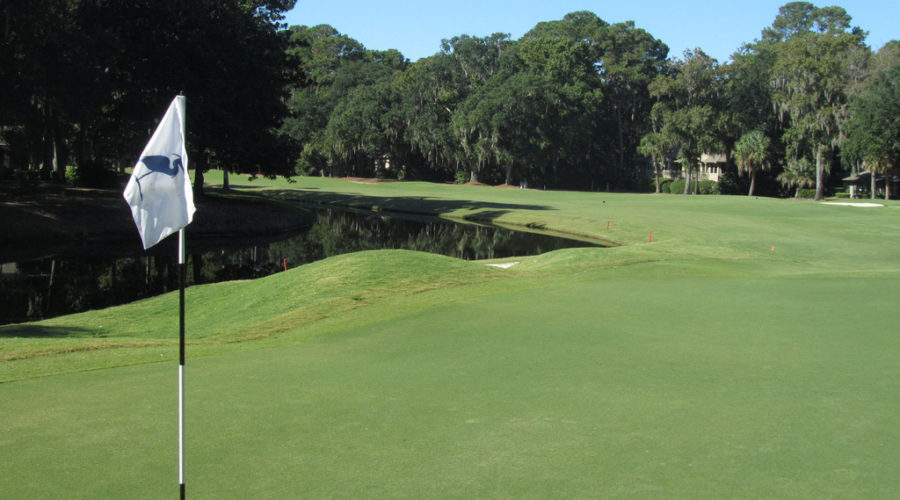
[[718, 27]]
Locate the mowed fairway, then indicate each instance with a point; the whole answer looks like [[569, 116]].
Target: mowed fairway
[[700, 365]]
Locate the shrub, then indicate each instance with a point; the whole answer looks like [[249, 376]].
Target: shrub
[[461, 177], [807, 193], [642, 184], [677, 187], [92, 175], [664, 185], [709, 187], [71, 174], [26, 176]]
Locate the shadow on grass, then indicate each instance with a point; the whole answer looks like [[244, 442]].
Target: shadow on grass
[[486, 211], [485, 216], [26, 330]]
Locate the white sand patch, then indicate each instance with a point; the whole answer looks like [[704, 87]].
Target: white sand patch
[[504, 265], [847, 204]]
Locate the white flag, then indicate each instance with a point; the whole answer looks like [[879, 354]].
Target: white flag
[[159, 191]]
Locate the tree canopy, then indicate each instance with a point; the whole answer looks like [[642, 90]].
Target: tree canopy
[[85, 81], [576, 103]]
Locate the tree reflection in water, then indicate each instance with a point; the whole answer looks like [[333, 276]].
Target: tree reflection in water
[[71, 283]]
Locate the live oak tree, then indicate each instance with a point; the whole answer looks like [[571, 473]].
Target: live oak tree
[[52, 86], [624, 60], [90, 79], [362, 128], [874, 125], [747, 106], [687, 104], [629, 59], [814, 49], [429, 97], [476, 61], [344, 103], [568, 133], [318, 54]]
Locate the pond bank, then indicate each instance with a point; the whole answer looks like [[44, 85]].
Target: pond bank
[[47, 219]]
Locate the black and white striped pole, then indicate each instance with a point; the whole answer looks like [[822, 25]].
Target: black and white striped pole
[[181, 362]]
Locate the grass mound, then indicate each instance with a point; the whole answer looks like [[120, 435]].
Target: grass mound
[[227, 312]]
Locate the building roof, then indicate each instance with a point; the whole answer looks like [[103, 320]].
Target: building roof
[[712, 158], [709, 158]]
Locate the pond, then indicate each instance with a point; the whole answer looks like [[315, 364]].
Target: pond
[[91, 278]]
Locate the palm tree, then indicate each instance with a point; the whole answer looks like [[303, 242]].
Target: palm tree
[[752, 155], [689, 156], [884, 168], [655, 146], [799, 174]]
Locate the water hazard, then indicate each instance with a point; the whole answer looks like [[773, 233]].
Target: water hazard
[[93, 278]]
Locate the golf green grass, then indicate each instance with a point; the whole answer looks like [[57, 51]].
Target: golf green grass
[[703, 364]]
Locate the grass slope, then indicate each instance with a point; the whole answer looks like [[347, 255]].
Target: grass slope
[[702, 364]]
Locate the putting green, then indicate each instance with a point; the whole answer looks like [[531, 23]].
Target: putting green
[[558, 387]]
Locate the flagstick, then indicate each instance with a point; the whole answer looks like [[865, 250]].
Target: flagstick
[[181, 363]]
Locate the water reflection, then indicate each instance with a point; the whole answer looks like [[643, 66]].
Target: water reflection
[[81, 280]]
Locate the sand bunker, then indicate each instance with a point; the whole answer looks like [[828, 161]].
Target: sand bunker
[[847, 204], [504, 265]]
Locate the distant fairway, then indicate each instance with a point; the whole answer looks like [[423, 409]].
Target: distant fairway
[[703, 364]]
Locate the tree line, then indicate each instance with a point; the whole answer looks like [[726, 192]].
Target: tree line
[[564, 106], [84, 82], [576, 103]]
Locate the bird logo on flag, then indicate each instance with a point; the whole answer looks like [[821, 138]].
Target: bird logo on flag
[[158, 164]]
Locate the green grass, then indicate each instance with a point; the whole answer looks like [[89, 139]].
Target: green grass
[[702, 364]]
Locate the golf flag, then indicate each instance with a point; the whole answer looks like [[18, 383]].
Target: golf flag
[[159, 191]]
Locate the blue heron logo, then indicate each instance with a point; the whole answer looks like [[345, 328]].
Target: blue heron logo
[[158, 164]]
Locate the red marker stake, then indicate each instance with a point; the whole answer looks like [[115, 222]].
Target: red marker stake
[[285, 264], [607, 225], [651, 237]]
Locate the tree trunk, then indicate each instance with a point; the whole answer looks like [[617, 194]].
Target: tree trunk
[[225, 183], [656, 169], [358, 165], [50, 286], [752, 182], [621, 143], [820, 173], [197, 264], [887, 187], [47, 150], [873, 184], [55, 171], [687, 181], [473, 177], [198, 182]]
